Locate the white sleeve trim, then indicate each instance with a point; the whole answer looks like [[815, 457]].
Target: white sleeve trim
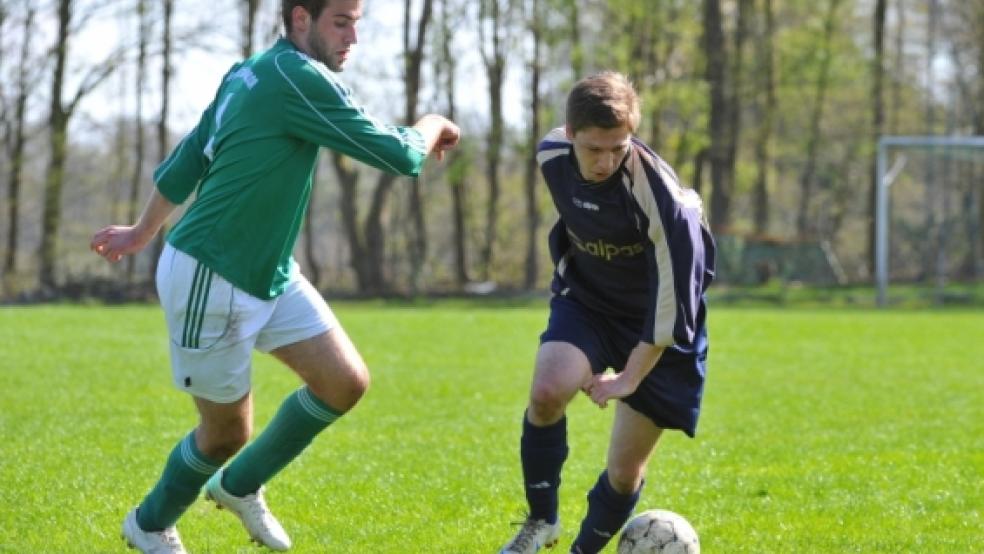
[[321, 116]]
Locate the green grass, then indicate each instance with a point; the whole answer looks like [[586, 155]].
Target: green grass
[[822, 431]]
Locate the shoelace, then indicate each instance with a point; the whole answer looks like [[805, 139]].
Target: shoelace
[[526, 535], [170, 537], [257, 507]]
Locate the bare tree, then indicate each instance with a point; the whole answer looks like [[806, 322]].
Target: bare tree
[[458, 164], [143, 30], [249, 8], [533, 137], [17, 140], [492, 25], [59, 116], [413, 61], [163, 144], [736, 90], [368, 247], [348, 180], [722, 176], [763, 139], [808, 175], [878, 117], [309, 238]]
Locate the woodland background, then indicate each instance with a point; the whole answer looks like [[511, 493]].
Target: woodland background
[[771, 109]]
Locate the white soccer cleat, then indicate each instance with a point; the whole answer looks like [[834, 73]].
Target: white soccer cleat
[[151, 542], [252, 511], [533, 535]]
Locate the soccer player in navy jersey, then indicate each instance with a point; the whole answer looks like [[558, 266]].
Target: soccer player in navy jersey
[[633, 258]]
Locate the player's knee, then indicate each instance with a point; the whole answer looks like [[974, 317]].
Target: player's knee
[[222, 444], [359, 380], [343, 389], [547, 402], [625, 479]]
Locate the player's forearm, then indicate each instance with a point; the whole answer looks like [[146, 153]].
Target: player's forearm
[[154, 214], [641, 361]]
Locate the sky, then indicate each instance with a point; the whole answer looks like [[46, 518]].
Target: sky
[[372, 71]]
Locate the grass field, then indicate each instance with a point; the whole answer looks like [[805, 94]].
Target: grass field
[[822, 431]]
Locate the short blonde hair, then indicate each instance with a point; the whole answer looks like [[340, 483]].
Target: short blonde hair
[[606, 100]]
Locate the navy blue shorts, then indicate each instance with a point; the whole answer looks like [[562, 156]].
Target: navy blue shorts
[[669, 395]]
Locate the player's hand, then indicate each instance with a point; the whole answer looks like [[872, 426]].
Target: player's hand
[[608, 386], [448, 139], [116, 241]]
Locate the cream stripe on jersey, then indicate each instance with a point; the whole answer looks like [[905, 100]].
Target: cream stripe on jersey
[[666, 308]]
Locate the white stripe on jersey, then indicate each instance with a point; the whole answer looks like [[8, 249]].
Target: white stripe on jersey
[[555, 135], [666, 308], [329, 80]]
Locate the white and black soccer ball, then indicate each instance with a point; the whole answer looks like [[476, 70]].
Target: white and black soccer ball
[[658, 532]]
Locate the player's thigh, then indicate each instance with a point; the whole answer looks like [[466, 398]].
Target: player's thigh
[[561, 370], [634, 437], [330, 365]]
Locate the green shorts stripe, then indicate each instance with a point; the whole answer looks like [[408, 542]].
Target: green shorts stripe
[[190, 308], [201, 311]]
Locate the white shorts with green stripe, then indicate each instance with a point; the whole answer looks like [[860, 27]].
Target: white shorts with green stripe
[[215, 326]]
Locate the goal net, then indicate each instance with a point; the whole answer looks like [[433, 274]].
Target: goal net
[[929, 233]]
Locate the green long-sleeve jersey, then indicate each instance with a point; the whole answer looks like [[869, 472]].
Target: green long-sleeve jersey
[[251, 158]]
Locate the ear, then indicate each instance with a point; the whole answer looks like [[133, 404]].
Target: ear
[[300, 19], [570, 134]]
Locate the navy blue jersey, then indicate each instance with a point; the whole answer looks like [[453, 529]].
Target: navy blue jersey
[[635, 246]]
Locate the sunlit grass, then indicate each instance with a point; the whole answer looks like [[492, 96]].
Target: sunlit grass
[[822, 431]]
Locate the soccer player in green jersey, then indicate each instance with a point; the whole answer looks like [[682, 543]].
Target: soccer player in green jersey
[[226, 278]]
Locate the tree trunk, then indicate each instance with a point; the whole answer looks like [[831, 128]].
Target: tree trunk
[[577, 49], [803, 226], [717, 154], [458, 164], [58, 119], [495, 67], [249, 26], [414, 56], [58, 135], [162, 137], [898, 70], [138, 146], [375, 235], [763, 142], [932, 196], [348, 180], [18, 141], [309, 237], [533, 138], [877, 123]]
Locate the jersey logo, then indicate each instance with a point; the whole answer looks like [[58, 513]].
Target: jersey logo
[[585, 205], [247, 76], [601, 249]]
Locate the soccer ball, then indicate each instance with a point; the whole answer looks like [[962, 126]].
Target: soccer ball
[[658, 532]]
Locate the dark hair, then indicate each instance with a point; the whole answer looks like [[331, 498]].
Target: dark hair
[[313, 7], [606, 100]]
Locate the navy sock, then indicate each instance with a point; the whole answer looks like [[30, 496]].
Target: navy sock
[[608, 510], [543, 451]]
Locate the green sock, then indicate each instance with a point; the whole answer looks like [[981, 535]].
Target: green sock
[[186, 471], [300, 418]]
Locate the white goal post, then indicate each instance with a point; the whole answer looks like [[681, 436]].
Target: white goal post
[[886, 176]]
